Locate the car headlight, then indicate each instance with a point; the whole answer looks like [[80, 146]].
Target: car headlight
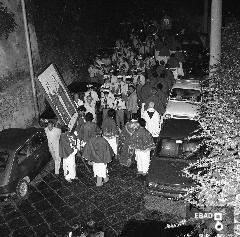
[[167, 116]]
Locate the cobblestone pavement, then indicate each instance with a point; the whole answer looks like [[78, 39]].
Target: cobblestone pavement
[[54, 205]]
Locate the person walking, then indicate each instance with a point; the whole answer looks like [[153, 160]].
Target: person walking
[[142, 143], [98, 151], [67, 151], [53, 136]]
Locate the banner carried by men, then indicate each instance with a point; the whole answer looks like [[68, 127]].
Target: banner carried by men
[[57, 95]]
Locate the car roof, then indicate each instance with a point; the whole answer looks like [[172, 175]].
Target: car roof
[[179, 128], [13, 138], [187, 84]]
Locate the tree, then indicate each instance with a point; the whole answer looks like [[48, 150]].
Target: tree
[[13, 47], [219, 185]]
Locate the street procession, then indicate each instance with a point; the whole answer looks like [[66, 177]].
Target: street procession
[[122, 120]]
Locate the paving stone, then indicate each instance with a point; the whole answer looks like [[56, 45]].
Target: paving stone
[[56, 201], [41, 185], [72, 200], [25, 206], [67, 212], [56, 185], [24, 232], [35, 197], [51, 216], [34, 218], [42, 229], [4, 230], [2, 220], [17, 223], [42, 206], [64, 192], [60, 228], [7, 208], [86, 195], [49, 178], [48, 192], [12, 215]]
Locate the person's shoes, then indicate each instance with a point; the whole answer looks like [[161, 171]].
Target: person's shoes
[[69, 180], [99, 184], [106, 180]]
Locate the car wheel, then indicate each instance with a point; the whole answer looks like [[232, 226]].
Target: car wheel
[[22, 189]]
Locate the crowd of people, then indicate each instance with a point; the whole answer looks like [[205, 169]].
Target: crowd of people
[[136, 81]]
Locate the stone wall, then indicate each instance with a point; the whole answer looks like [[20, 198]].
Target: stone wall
[[16, 105]]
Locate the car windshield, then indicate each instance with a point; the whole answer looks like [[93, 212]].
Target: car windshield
[[4, 155], [186, 95]]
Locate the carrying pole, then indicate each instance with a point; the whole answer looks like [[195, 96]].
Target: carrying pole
[[29, 52]]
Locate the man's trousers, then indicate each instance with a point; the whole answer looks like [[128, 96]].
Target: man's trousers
[[120, 118], [69, 167], [57, 160]]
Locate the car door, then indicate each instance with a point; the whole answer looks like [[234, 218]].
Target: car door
[[41, 155]]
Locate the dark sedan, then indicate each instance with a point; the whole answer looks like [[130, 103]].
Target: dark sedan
[[175, 150], [23, 154], [75, 87]]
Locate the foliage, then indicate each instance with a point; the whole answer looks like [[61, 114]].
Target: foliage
[[219, 185], [7, 22]]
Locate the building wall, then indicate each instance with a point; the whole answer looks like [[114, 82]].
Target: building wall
[[16, 105]]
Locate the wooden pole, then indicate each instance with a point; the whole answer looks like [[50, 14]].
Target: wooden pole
[[29, 52], [215, 38]]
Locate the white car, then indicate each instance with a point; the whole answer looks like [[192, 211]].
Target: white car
[[184, 100]]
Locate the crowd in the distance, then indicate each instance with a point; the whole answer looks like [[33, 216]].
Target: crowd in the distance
[[136, 80]]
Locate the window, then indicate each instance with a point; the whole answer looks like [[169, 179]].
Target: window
[[4, 155], [31, 146]]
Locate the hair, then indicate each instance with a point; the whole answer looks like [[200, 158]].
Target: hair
[[134, 116], [89, 117], [111, 113], [132, 86], [172, 55], [162, 63], [142, 122], [50, 122], [65, 128], [159, 86], [82, 108]]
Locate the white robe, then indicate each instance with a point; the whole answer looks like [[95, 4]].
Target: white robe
[[90, 108], [93, 94], [53, 138], [153, 125], [69, 166], [143, 160]]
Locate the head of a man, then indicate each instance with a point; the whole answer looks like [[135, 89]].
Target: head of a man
[[82, 110], [89, 117], [76, 96], [154, 90], [131, 89], [89, 99], [111, 113], [50, 125], [151, 105]]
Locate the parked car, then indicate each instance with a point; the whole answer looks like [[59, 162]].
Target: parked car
[[23, 154], [176, 148], [184, 100], [75, 87]]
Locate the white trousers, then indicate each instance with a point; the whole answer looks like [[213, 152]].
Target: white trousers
[[69, 167], [143, 160], [100, 170], [113, 143], [54, 150]]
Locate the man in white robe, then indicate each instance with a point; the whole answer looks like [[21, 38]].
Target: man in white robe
[[53, 136], [90, 107], [153, 121], [90, 92]]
